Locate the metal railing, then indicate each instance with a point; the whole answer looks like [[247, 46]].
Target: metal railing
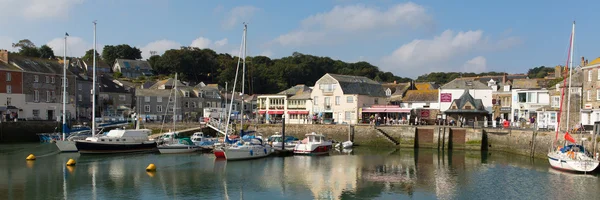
[[220, 126]]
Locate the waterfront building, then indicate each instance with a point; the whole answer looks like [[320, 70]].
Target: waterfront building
[[474, 86], [590, 112], [547, 115], [528, 95], [114, 100], [467, 109], [293, 103], [132, 68], [12, 99], [395, 91]]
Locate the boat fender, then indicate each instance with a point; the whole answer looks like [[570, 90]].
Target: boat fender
[[251, 152], [265, 151]]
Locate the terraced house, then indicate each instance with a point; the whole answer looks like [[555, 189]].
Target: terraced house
[[41, 88], [293, 103], [132, 68]]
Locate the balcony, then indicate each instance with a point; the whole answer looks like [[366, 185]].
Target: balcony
[[296, 107], [327, 92]]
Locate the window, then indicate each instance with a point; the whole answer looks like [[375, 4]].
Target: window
[[8, 77], [121, 97], [53, 94], [48, 96], [552, 117], [78, 85], [186, 94], [555, 101], [147, 108], [337, 100], [376, 101], [9, 89], [158, 99], [589, 95], [388, 92], [598, 94], [52, 79], [598, 76], [187, 104], [327, 101], [36, 96], [193, 104], [350, 99], [532, 97], [79, 98], [590, 76], [348, 115], [8, 101], [467, 107], [207, 104], [36, 78], [36, 113], [170, 109], [146, 99], [47, 79], [63, 80], [316, 100], [159, 108]]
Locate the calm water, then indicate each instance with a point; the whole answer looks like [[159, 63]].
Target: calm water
[[361, 174]]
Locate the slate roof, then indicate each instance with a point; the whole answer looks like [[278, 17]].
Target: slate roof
[[465, 83], [302, 96], [107, 84], [30, 64], [535, 83], [421, 96], [358, 85], [134, 63], [397, 89], [297, 89], [168, 83], [8, 66], [464, 98], [148, 84], [152, 92]]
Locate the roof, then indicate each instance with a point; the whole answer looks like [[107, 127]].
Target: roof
[[577, 81], [594, 63], [30, 64], [462, 101], [426, 86], [148, 84], [142, 64], [214, 86], [297, 89], [301, 96], [358, 85], [7, 66], [152, 92], [421, 96], [109, 85], [397, 88], [535, 83], [465, 83], [167, 83]]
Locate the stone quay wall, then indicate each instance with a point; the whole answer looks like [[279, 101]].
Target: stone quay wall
[[25, 131], [523, 142]]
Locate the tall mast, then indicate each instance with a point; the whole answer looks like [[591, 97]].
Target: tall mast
[[175, 104], [234, 83], [64, 106], [94, 86], [243, 76], [570, 67]]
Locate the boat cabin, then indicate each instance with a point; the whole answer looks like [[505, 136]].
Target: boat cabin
[[314, 138]]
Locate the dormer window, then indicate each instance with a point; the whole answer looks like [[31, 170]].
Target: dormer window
[[388, 92]]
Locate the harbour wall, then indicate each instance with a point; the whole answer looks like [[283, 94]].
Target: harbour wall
[[25, 131], [523, 142]]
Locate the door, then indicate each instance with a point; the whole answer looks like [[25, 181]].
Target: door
[[50, 114]]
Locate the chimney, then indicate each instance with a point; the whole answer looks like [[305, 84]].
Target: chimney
[[395, 82], [582, 61], [586, 62], [4, 56], [504, 79]]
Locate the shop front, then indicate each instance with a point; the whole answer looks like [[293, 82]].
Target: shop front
[[388, 114]]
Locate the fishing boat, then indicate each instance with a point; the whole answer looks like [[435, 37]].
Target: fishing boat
[[313, 144], [118, 141], [571, 156], [204, 142], [249, 146]]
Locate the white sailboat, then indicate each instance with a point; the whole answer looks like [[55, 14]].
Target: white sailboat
[[572, 157], [173, 144], [248, 147]]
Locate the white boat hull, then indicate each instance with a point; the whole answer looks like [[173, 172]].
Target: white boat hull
[[288, 146], [561, 162], [172, 150], [245, 153], [312, 149], [66, 146]]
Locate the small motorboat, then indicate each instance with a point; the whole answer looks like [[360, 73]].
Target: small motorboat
[[345, 145], [118, 141], [202, 141], [276, 141], [184, 145], [313, 144]]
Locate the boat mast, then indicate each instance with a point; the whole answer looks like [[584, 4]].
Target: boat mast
[[570, 67], [243, 78], [94, 86], [64, 106], [175, 104], [562, 93], [234, 83]]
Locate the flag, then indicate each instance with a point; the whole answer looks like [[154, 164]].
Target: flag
[[569, 138], [66, 34]]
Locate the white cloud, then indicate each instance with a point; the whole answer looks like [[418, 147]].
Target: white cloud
[[160, 46], [477, 65], [6, 43], [76, 46], [238, 15], [267, 53], [222, 42], [423, 56], [356, 20], [37, 9], [201, 43]]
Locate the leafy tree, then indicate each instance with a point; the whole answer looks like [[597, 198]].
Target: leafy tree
[[89, 56], [46, 52], [24, 43], [110, 53], [539, 72]]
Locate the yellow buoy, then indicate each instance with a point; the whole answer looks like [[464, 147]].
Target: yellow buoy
[[30, 157], [30, 164], [71, 162], [151, 168], [71, 169], [150, 174]]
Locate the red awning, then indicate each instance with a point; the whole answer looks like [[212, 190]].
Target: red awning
[[300, 112], [386, 110], [262, 112], [275, 112]]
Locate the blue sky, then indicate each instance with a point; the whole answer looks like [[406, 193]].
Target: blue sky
[[408, 38]]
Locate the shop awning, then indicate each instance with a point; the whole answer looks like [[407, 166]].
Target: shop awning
[[262, 112], [386, 110], [300, 112], [275, 112]]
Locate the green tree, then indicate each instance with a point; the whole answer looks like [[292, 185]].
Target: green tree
[[89, 56], [46, 52], [123, 51]]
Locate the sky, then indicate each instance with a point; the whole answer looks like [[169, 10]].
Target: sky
[[407, 38]]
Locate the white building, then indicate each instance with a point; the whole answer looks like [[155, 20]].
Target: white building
[[455, 88]]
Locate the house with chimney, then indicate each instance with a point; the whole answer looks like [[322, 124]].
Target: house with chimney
[[590, 112], [132, 68], [12, 99]]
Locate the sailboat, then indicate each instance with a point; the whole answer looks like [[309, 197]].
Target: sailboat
[[173, 144], [570, 157], [248, 146]]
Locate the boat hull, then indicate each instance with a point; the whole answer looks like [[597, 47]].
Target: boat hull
[[307, 149], [246, 153], [558, 162], [86, 147], [219, 153], [66, 146], [177, 149]]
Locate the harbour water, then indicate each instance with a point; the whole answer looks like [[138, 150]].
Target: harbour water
[[364, 173]]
